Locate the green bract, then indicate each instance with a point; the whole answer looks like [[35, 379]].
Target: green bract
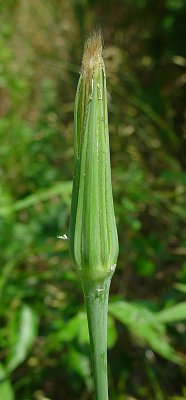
[[93, 234]]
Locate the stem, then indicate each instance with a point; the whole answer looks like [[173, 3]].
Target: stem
[[96, 300]]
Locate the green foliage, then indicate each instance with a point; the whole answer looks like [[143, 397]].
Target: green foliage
[[22, 338], [149, 326], [6, 390], [43, 336]]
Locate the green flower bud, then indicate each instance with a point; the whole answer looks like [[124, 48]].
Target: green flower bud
[[93, 234]]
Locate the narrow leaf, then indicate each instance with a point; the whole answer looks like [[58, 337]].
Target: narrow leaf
[[27, 331], [174, 313], [63, 188], [6, 390]]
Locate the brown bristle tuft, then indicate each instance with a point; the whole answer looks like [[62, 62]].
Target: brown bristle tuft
[[92, 55]]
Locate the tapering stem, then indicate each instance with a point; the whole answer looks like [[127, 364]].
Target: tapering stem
[[96, 300]]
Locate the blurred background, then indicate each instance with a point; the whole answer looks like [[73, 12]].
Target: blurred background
[[44, 349]]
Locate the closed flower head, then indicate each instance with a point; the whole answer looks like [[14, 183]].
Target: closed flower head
[[93, 234]]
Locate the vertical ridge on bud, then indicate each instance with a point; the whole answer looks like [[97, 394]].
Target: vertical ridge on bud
[[93, 234]]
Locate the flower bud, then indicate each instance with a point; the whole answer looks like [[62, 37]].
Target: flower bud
[[93, 234]]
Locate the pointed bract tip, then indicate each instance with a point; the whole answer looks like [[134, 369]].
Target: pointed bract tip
[[92, 55]]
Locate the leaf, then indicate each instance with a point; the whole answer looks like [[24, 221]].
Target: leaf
[[27, 331], [174, 313], [6, 390], [83, 334], [5, 273], [124, 312], [63, 188], [181, 287], [146, 327], [178, 397], [81, 365], [157, 341], [75, 327], [112, 332]]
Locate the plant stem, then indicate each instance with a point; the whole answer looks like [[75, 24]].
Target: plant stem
[[96, 300]]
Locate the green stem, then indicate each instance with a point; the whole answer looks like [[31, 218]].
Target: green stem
[[96, 300]]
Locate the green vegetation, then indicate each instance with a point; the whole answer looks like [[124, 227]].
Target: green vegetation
[[44, 345]]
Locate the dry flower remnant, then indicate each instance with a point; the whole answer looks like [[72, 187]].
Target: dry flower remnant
[[92, 55], [93, 235]]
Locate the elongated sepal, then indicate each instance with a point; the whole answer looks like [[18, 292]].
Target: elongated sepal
[[93, 234]]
